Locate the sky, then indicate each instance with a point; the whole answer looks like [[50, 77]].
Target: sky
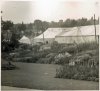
[[48, 10]]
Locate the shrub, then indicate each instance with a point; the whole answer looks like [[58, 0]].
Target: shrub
[[44, 60], [63, 60], [70, 49], [55, 47], [87, 46], [75, 48], [78, 72]]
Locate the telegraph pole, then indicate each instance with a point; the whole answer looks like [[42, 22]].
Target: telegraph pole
[[1, 20], [1, 15]]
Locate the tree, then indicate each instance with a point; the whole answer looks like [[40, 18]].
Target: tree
[[9, 41], [21, 27], [60, 23], [38, 25], [6, 25], [67, 23], [14, 41], [73, 23], [84, 21], [54, 24], [45, 25]]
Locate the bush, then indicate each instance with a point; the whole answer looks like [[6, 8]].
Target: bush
[[26, 59], [8, 67], [87, 46], [78, 72], [55, 47], [75, 48], [70, 49], [44, 60], [63, 60]]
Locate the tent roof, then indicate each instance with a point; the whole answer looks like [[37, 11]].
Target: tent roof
[[81, 31], [72, 31], [25, 40], [51, 32]]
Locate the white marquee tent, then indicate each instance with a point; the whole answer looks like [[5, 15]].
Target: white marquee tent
[[78, 35], [69, 35], [49, 34], [25, 40]]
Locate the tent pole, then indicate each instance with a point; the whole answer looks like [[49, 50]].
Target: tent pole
[[43, 37], [95, 28]]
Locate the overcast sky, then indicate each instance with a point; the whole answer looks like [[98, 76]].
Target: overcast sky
[[47, 10]]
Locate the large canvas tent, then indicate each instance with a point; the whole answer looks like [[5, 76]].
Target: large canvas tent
[[49, 35], [25, 40], [70, 35], [79, 35]]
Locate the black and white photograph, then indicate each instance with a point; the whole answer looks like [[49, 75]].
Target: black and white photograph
[[49, 45]]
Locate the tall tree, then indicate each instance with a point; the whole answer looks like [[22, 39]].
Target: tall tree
[[73, 23], [21, 27], [45, 25], [38, 25], [9, 40], [6, 25]]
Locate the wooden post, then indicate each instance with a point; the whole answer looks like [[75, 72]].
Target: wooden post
[[95, 28]]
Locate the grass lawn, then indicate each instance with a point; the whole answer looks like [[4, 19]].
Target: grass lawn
[[41, 76]]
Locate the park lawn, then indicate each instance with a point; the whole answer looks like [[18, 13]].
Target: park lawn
[[42, 77]]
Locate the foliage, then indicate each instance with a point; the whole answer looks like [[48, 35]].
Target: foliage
[[8, 67], [22, 27], [8, 42], [70, 49], [6, 25], [87, 46], [79, 47], [86, 52], [33, 29], [72, 22], [55, 46], [62, 61], [40, 25], [78, 72], [44, 60]]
